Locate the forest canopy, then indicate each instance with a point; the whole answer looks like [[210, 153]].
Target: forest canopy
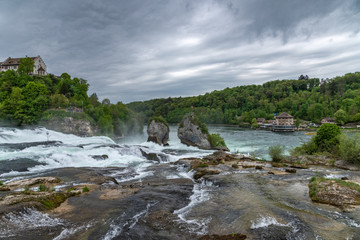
[[305, 98]]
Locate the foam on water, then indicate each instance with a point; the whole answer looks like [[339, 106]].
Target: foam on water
[[116, 226], [200, 195], [74, 152], [68, 232], [28, 220], [266, 221]]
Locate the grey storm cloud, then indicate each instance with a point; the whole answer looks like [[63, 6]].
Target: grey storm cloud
[[138, 50]]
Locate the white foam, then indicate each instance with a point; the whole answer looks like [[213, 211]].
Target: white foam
[[262, 222], [68, 232], [200, 195], [30, 219]]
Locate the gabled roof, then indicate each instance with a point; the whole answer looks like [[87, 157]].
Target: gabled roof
[[284, 115], [328, 119], [41, 69], [14, 61]]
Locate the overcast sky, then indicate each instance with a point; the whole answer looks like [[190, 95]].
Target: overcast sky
[[133, 50]]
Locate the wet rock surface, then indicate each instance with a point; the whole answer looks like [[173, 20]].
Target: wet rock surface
[[190, 133], [19, 165], [335, 192], [70, 125], [158, 132], [228, 203]]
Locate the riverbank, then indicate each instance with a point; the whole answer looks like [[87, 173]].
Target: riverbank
[[254, 199]]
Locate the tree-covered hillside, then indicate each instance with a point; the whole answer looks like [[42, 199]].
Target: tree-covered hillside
[[24, 99], [305, 99]]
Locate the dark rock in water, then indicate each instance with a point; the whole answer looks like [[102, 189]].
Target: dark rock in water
[[290, 170], [346, 165], [21, 146], [154, 156], [205, 171], [100, 157], [273, 232], [191, 134], [235, 236], [158, 133], [19, 165]]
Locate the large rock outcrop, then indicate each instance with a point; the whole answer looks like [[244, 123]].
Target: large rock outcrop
[[158, 132], [192, 134], [335, 192], [70, 125]]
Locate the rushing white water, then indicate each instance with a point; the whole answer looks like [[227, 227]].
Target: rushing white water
[[30, 219], [265, 221], [200, 195], [73, 151]]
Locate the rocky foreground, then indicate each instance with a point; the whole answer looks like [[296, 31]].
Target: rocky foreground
[[228, 197]]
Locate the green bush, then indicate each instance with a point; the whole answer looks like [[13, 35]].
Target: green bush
[[306, 148], [1, 183], [349, 148], [85, 189], [276, 152], [216, 140], [327, 137]]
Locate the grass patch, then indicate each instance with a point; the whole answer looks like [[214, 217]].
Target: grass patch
[[85, 189], [43, 188], [1, 183], [203, 165]]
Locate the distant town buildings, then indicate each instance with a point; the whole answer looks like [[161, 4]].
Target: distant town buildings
[[13, 64], [284, 122], [328, 120]]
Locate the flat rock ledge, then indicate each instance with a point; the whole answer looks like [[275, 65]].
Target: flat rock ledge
[[222, 162], [335, 192]]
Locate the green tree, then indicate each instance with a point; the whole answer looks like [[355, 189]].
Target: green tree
[[340, 117], [26, 66], [349, 148], [327, 137]]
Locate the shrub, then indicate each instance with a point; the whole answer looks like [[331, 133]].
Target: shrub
[[85, 189], [276, 152], [349, 148], [158, 119], [216, 140], [305, 148], [43, 188], [1, 183], [327, 137]]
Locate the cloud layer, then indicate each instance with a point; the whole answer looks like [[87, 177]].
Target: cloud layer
[[137, 50]]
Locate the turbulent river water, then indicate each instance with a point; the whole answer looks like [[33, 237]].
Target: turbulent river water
[[259, 205]]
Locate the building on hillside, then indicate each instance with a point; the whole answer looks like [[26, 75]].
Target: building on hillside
[[260, 121], [284, 122], [13, 64], [328, 120]]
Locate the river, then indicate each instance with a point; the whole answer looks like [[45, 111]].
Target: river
[[249, 201]]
